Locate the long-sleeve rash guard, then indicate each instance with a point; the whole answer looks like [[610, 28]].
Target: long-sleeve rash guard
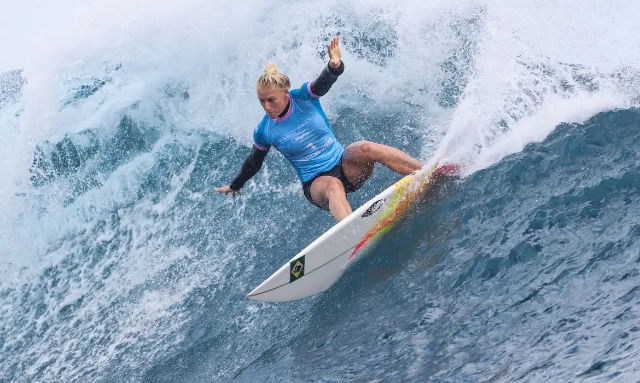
[[301, 133]]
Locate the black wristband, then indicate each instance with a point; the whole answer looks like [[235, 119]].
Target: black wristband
[[336, 71], [236, 185]]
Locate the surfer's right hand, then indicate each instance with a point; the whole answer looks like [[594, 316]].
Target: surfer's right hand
[[334, 53], [227, 189]]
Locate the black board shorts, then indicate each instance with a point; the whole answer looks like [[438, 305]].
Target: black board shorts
[[336, 172]]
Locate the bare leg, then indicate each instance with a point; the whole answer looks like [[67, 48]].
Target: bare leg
[[358, 162], [328, 192], [360, 157]]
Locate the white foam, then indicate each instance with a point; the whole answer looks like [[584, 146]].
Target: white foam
[[538, 65]]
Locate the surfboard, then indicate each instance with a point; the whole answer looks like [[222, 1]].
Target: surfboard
[[318, 266]]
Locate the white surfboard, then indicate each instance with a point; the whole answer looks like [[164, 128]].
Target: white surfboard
[[318, 266]]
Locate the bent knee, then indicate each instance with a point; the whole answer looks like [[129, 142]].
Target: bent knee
[[326, 188], [362, 151], [334, 186]]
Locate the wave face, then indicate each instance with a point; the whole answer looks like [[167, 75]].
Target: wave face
[[121, 263]]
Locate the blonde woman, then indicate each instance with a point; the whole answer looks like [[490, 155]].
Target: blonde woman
[[297, 126]]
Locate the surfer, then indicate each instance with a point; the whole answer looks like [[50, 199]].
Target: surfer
[[297, 126]]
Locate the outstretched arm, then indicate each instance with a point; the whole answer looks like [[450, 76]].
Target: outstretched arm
[[249, 168], [321, 85]]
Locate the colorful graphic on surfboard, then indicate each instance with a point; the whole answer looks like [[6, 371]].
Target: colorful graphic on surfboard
[[318, 266], [402, 198]]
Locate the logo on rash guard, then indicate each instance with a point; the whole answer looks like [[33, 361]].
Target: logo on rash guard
[[296, 134], [317, 151], [301, 136]]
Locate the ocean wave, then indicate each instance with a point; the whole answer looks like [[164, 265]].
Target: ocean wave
[[121, 263]]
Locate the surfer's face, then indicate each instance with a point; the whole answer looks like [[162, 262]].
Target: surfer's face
[[273, 100]]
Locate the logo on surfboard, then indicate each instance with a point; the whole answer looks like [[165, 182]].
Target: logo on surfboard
[[373, 208], [296, 268]]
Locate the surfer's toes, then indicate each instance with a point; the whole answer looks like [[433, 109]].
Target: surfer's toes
[[447, 170]]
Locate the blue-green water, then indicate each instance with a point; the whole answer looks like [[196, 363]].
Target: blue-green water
[[120, 263]]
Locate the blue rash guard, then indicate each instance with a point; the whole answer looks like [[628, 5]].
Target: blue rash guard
[[302, 135]]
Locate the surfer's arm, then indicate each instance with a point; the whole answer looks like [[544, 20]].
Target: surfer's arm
[[249, 168], [320, 86]]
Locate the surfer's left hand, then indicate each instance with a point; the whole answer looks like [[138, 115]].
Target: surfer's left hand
[[227, 189], [334, 53]]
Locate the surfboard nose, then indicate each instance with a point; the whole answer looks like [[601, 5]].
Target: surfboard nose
[[274, 290], [278, 279]]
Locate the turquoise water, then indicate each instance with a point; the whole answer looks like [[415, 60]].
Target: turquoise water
[[120, 262]]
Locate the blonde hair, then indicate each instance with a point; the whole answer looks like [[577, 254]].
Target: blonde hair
[[271, 77]]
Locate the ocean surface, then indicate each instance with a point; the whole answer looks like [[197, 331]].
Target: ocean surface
[[120, 263]]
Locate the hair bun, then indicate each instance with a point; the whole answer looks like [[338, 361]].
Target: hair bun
[[271, 68], [271, 77]]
